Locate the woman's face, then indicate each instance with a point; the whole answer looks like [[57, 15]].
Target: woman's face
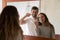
[[41, 18]]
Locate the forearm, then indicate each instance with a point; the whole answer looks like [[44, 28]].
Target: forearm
[[22, 20]]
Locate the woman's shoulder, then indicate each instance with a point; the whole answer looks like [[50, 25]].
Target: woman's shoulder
[[51, 26], [20, 34]]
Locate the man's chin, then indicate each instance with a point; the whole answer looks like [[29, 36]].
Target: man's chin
[[34, 16]]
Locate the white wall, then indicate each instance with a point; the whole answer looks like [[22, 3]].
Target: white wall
[[52, 9], [0, 5]]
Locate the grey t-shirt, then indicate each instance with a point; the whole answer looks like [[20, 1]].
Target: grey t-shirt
[[45, 32]]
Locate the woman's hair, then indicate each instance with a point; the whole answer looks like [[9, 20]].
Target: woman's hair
[[46, 21], [9, 23]]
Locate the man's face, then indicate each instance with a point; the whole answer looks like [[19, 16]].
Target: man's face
[[34, 12]]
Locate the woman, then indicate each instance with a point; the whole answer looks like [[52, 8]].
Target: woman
[[9, 24], [45, 28]]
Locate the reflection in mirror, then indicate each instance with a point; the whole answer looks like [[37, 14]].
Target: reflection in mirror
[[23, 8], [50, 7]]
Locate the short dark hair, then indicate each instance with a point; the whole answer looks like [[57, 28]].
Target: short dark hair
[[35, 8]]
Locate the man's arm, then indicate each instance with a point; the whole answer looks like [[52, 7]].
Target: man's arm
[[23, 21]]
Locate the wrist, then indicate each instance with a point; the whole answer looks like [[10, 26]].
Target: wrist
[[24, 17]]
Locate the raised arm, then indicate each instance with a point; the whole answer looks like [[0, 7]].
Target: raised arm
[[23, 21]]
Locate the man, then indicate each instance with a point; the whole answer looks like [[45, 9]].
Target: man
[[31, 22]]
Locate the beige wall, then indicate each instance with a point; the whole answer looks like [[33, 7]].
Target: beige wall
[[0, 5], [52, 9]]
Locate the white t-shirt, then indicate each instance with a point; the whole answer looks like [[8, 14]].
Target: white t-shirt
[[31, 26]]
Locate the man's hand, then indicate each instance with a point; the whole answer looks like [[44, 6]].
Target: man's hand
[[27, 14]]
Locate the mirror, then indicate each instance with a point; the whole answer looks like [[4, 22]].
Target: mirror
[[50, 7], [23, 8]]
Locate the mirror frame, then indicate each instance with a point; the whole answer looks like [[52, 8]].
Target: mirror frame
[[4, 2]]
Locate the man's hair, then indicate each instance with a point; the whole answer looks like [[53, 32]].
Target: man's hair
[[35, 8]]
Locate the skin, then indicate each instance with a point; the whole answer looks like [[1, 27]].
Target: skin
[[33, 13], [41, 19]]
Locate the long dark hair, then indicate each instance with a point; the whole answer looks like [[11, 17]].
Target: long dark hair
[[9, 23], [46, 21]]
